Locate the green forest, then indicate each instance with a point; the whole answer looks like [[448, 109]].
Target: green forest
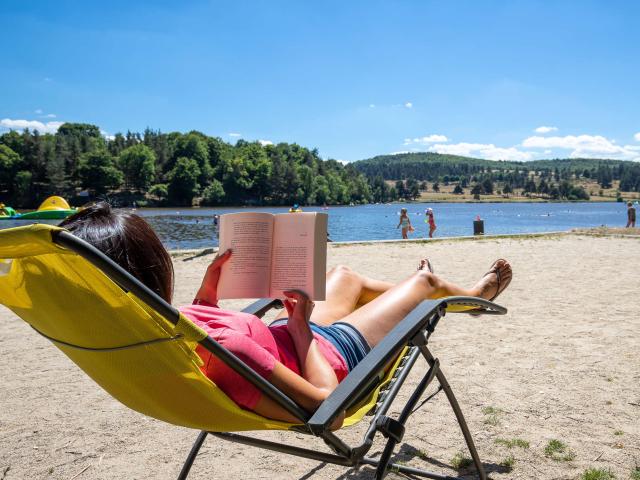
[[162, 169], [558, 179], [185, 169]]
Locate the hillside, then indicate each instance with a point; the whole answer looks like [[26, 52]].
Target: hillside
[[437, 177], [429, 165]]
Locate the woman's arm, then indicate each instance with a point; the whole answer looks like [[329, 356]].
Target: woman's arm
[[299, 390], [318, 377], [208, 292], [315, 367]]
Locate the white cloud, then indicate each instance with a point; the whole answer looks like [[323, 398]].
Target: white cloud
[[38, 111], [544, 129], [50, 115], [433, 138], [49, 127], [372, 105], [106, 135], [401, 152], [637, 136], [234, 134], [265, 142], [408, 105], [482, 150], [585, 146]]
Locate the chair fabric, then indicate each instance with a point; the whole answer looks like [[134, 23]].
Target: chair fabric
[[64, 297]]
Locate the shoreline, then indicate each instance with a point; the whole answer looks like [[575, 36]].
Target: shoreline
[[594, 232]]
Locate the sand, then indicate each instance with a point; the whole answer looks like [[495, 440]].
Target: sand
[[563, 364]]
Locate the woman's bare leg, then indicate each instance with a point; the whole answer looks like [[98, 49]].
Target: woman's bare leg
[[346, 291], [378, 317]]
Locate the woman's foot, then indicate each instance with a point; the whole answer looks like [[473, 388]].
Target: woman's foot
[[495, 281], [425, 263]]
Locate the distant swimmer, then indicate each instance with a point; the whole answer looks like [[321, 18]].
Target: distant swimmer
[[296, 208], [631, 215], [430, 219], [405, 223]]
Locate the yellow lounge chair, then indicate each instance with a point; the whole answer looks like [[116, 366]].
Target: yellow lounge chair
[[142, 351]]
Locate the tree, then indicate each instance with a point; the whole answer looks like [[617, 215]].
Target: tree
[[458, 190], [487, 186], [477, 189], [78, 130], [435, 187], [183, 181], [98, 173], [9, 164], [194, 146], [507, 189], [160, 191], [530, 186], [138, 165], [213, 194], [400, 189], [413, 189]]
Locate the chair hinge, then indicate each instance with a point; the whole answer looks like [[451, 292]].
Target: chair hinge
[[390, 428]]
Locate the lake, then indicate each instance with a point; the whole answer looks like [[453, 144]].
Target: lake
[[193, 228]]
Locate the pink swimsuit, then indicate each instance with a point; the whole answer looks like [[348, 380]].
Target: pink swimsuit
[[254, 343]]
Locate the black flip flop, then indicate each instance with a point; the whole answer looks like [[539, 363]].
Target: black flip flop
[[429, 266], [500, 287]]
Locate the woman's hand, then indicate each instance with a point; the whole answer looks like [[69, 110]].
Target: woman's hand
[[298, 306], [209, 289]]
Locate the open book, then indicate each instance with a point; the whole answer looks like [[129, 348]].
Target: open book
[[273, 253]]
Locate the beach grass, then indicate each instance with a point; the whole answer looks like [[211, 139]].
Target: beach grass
[[508, 462], [597, 474], [559, 451], [513, 442], [492, 415], [460, 461]]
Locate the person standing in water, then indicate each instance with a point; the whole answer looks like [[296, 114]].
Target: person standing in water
[[429, 218], [631, 215], [405, 223]]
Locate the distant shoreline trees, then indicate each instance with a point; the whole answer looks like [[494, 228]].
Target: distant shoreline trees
[[170, 169], [184, 169]]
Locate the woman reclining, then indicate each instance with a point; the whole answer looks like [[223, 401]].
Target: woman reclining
[[311, 347]]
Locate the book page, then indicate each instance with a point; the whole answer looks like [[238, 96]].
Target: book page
[[247, 273], [299, 254]]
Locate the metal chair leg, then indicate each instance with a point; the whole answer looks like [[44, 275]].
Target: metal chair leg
[[382, 469], [455, 406], [192, 455]]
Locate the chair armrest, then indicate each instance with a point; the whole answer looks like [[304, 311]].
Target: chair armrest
[[262, 306], [423, 317]]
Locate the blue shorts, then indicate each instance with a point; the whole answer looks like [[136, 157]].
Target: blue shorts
[[345, 337]]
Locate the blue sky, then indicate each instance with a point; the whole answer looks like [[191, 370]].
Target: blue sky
[[352, 78]]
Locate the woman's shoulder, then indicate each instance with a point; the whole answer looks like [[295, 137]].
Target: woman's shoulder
[[215, 317]]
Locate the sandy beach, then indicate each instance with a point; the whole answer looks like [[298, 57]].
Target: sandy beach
[[564, 364]]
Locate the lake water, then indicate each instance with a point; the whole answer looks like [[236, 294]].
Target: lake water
[[193, 228]]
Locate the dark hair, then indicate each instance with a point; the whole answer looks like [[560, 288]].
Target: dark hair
[[129, 241]]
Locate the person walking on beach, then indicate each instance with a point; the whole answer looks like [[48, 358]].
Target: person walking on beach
[[429, 218], [405, 223], [631, 215]]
